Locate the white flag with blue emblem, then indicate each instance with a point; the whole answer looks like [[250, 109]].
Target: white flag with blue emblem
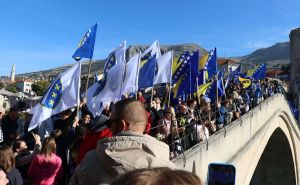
[[61, 95], [109, 88]]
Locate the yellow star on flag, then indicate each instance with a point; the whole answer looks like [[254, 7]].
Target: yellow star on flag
[[51, 102], [57, 87], [54, 95]]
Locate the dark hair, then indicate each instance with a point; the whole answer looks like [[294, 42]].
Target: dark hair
[[49, 147], [131, 110], [7, 160], [16, 144], [158, 176], [56, 133]]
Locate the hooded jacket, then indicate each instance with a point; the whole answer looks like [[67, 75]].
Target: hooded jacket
[[120, 154]]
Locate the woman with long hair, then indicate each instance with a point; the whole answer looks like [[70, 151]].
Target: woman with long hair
[[46, 167], [7, 161]]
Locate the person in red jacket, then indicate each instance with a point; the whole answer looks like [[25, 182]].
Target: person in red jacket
[[96, 131], [148, 126]]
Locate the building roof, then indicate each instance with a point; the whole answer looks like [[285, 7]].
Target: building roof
[[223, 61], [24, 81]]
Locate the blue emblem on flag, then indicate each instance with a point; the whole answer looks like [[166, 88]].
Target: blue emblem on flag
[[110, 62], [52, 98], [86, 45]]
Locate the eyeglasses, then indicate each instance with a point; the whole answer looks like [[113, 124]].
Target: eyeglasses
[[110, 121]]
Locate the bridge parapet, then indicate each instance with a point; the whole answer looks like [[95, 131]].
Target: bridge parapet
[[244, 140]]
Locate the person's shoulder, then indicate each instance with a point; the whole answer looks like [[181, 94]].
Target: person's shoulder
[[56, 158]]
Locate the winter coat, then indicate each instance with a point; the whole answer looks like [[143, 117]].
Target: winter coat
[[119, 154]]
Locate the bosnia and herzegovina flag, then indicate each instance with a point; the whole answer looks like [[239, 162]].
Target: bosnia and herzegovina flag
[[209, 63], [258, 72], [246, 82], [147, 72], [186, 74], [86, 45]]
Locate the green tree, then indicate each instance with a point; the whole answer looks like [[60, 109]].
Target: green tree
[[2, 85], [11, 88], [40, 87]]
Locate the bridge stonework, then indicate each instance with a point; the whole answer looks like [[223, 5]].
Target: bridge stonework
[[295, 66], [263, 145]]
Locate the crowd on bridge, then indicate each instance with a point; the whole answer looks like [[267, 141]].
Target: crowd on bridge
[[97, 140], [60, 144]]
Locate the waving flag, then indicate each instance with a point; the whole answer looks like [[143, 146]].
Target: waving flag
[[203, 88], [86, 45], [188, 64], [259, 72], [61, 95], [246, 82], [130, 82], [147, 72], [164, 68], [154, 49], [180, 68], [209, 63], [182, 86], [109, 88], [212, 90]]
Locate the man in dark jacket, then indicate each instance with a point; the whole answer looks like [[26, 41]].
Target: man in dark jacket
[[10, 126]]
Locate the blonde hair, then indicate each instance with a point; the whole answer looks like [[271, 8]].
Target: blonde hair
[[158, 176], [49, 147], [7, 159]]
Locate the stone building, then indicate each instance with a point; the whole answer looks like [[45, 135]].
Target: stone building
[[295, 65]]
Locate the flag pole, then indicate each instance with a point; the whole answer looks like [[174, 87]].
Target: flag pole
[[170, 83], [197, 90], [217, 97], [190, 80], [78, 91], [88, 77], [153, 80], [137, 76], [123, 75]]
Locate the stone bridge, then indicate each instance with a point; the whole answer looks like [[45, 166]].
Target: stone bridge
[[263, 145]]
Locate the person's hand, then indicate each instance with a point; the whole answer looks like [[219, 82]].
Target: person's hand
[[76, 122], [3, 179], [37, 138], [82, 102]]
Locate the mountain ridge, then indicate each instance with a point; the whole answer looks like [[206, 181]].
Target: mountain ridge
[[275, 56]]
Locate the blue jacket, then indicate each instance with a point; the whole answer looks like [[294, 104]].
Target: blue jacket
[[222, 113]]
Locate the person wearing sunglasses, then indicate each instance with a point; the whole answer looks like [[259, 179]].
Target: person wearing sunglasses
[[128, 149]]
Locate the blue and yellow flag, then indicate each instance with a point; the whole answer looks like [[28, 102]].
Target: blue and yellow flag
[[203, 88], [211, 92], [180, 67], [147, 72], [209, 63], [86, 45], [258, 72], [246, 82]]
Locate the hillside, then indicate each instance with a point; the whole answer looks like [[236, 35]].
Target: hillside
[[275, 56], [98, 65]]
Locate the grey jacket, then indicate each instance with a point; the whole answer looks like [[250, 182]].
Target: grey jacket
[[117, 155]]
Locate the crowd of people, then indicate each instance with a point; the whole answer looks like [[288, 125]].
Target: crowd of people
[[134, 133]]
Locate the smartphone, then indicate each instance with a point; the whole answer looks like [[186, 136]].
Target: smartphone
[[221, 174]]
